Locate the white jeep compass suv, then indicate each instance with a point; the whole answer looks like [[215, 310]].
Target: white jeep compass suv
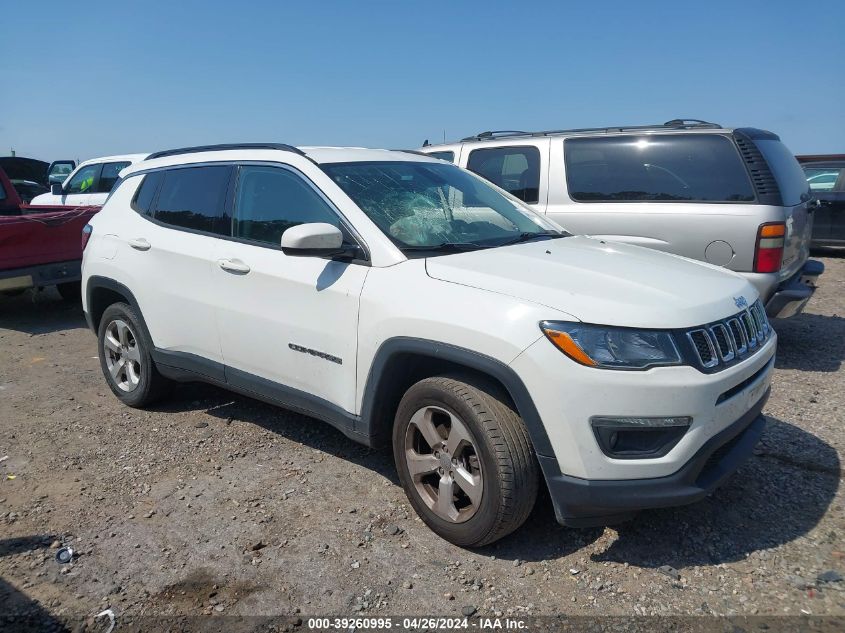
[[405, 300]]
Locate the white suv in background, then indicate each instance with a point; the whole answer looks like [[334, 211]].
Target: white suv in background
[[406, 301], [89, 184], [733, 197]]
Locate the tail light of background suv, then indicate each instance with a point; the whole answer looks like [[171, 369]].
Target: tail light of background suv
[[768, 252]]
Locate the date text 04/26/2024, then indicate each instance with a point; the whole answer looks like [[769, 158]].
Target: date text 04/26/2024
[[419, 623]]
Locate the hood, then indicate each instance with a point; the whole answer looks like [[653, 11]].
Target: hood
[[18, 168], [601, 282]]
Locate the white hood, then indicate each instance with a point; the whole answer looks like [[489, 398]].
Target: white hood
[[602, 282]]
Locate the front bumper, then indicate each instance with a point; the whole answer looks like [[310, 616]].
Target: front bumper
[[792, 295], [583, 503]]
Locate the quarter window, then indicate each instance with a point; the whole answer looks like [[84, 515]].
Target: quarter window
[[142, 202], [83, 181], [194, 198], [514, 169], [656, 168], [109, 176], [792, 183], [270, 200]]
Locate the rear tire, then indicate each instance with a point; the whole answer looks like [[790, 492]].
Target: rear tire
[[70, 291], [460, 436], [125, 358]]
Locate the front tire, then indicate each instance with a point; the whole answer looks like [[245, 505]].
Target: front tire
[[125, 357], [464, 459]]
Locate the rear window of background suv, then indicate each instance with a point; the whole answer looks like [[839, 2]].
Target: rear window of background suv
[[656, 168]]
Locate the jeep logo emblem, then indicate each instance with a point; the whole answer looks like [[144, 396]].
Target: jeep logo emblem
[[741, 302]]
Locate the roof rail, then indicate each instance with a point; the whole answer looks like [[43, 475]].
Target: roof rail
[[673, 124], [690, 123], [495, 133], [226, 146]]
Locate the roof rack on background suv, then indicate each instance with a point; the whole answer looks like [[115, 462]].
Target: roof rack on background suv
[[675, 124], [226, 146], [495, 133], [690, 123]]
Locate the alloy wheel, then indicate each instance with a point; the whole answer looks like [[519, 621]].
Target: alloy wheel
[[123, 356], [443, 463]]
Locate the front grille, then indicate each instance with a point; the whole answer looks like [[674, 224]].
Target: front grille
[[723, 342], [703, 347], [730, 340], [737, 336]]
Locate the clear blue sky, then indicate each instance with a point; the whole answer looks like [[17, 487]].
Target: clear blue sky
[[84, 79]]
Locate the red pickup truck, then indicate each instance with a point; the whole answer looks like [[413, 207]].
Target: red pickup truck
[[39, 245]]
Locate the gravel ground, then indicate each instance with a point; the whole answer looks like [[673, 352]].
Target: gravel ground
[[216, 504]]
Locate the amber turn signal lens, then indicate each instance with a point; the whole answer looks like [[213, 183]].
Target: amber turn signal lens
[[565, 344], [773, 230]]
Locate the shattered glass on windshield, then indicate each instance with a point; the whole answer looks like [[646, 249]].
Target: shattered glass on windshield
[[431, 205]]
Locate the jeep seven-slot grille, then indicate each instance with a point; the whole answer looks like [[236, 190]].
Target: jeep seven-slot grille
[[731, 339]]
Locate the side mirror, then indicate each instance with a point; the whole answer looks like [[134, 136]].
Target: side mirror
[[315, 239], [56, 179], [56, 188]]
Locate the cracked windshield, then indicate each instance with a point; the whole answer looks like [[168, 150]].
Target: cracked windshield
[[431, 206]]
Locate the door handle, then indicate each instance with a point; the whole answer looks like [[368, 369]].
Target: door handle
[[140, 244], [233, 266]]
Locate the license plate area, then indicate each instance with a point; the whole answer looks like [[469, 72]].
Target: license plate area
[[15, 283]]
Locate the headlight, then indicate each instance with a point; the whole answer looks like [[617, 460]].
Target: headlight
[[612, 347]]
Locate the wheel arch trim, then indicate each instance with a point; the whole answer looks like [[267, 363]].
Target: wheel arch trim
[[378, 377], [96, 282]]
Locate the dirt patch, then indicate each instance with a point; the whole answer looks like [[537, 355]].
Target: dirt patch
[[164, 507]]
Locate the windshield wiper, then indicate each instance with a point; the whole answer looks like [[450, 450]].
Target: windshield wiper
[[526, 236], [447, 247]]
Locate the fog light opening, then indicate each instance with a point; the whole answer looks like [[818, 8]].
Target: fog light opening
[[638, 438]]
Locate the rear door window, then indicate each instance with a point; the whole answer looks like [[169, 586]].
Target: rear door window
[[792, 183], [109, 175], [194, 198], [656, 168], [514, 169]]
